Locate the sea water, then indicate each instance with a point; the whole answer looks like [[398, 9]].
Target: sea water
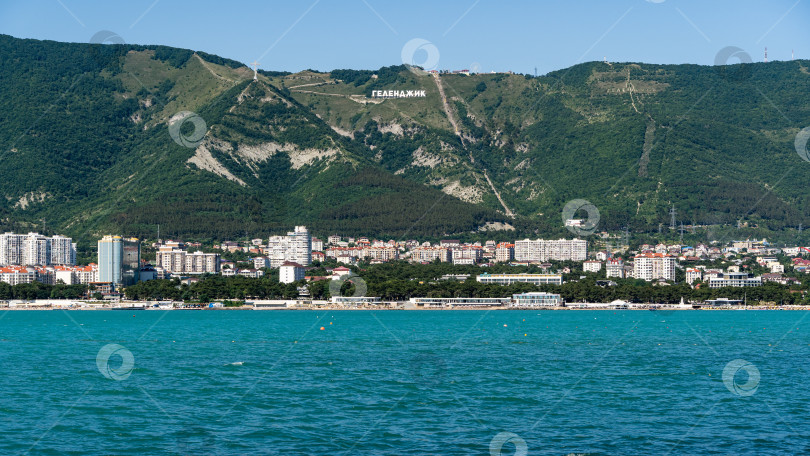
[[331, 382]]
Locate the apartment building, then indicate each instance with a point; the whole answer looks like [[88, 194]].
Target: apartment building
[[654, 266], [614, 267], [34, 249], [544, 250]]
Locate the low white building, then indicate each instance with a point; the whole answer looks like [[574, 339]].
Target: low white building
[[734, 279], [508, 279], [592, 266], [693, 275], [535, 299], [776, 267], [340, 271]]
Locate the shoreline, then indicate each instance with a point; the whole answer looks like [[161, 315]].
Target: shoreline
[[579, 307]]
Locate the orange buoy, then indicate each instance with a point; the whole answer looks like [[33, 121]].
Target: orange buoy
[[322, 328]]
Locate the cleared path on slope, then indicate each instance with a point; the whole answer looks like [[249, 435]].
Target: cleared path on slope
[[454, 123]]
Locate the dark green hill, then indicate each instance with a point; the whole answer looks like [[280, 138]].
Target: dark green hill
[[88, 149], [86, 146]]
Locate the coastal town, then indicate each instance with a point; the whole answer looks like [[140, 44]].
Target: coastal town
[[304, 262]]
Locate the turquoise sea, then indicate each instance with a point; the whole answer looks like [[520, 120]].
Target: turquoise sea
[[404, 382]]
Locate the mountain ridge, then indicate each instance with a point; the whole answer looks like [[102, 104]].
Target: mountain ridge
[[84, 130]]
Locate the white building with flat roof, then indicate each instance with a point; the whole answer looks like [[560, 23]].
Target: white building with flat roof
[[535, 299], [290, 272], [179, 261], [592, 266], [34, 249], [438, 303], [508, 279], [734, 279], [654, 266], [543, 250]]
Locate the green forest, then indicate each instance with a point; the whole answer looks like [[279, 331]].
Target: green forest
[[86, 148]]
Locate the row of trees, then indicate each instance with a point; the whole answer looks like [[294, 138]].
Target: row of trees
[[212, 287], [39, 290], [401, 281]]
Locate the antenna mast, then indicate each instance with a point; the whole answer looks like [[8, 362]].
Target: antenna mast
[[255, 70]]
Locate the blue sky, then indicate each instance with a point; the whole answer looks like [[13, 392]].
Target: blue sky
[[483, 34]]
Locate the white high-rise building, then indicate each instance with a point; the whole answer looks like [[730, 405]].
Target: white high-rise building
[[295, 247], [11, 248], [301, 243], [63, 250], [34, 249]]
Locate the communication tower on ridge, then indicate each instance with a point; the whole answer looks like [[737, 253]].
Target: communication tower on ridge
[[255, 70], [766, 54]]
